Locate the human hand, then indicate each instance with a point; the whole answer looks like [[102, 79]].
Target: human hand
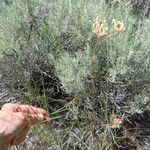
[[15, 121]]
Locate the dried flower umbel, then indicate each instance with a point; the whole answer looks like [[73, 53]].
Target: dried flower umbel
[[117, 26], [100, 28], [116, 122]]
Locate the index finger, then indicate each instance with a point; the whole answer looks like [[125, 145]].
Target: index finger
[[33, 119], [28, 109]]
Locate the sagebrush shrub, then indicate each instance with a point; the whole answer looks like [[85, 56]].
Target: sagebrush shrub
[[51, 55]]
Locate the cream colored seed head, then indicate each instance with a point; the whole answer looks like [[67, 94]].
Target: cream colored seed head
[[116, 122], [99, 27], [118, 26]]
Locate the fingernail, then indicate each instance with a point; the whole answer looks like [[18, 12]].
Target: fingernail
[[41, 116]]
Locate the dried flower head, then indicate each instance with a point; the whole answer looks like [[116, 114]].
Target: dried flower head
[[116, 122], [99, 27], [118, 26]]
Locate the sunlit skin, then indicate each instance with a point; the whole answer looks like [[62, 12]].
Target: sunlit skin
[[15, 122]]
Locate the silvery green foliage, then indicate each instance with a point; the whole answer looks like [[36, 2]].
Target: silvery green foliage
[[72, 70], [40, 33], [139, 102]]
